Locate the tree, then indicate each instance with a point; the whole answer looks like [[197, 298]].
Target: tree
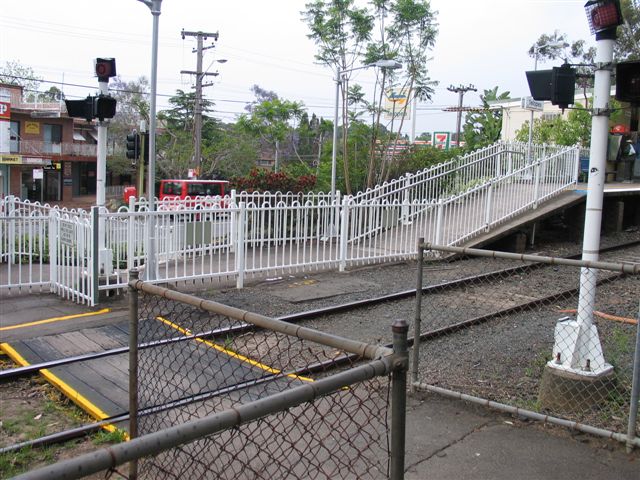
[[340, 29], [628, 45], [483, 127], [408, 37], [347, 35], [14, 73], [574, 130], [556, 46], [272, 120]]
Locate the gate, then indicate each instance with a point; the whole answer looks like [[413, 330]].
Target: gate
[[73, 260], [47, 249]]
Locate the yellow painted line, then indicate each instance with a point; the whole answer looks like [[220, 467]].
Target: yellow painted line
[[231, 353], [56, 319], [80, 400]]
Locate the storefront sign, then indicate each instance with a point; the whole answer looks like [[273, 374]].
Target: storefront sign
[[32, 128], [5, 110], [36, 161], [67, 169], [38, 174], [11, 159], [67, 182]]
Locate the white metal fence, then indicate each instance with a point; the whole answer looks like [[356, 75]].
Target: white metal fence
[[256, 234]]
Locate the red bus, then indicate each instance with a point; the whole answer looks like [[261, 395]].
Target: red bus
[[181, 189]]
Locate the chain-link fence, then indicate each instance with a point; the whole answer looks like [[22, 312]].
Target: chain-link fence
[[545, 335], [218, 392]]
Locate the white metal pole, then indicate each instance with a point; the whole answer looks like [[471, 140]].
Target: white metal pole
[[334, 151], [597, 168], [535, 68], [150, 273], [101, 174]]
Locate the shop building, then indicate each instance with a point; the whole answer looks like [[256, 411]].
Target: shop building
[[45, 155]]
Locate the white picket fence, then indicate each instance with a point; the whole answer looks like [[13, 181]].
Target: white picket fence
[[250, 234]]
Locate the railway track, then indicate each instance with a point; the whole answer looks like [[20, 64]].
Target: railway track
[[390, 299]]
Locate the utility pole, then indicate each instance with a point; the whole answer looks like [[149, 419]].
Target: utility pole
[[197, 121], [460, 90]]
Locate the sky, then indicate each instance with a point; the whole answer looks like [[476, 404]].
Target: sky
[[483, 43]]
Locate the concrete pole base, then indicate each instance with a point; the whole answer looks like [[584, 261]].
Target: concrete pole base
[[561, 390]]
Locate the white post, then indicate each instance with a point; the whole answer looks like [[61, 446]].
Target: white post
[[334, 151], [240, 261], [104, 255], [577, 342], [344, 233], [151, 267]]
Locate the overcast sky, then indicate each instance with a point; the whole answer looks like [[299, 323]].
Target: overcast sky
[[480, 42]]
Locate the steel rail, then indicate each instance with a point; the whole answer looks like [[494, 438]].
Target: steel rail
[[296, 317]]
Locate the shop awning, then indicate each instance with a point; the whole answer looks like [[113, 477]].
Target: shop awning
[[77, 136]]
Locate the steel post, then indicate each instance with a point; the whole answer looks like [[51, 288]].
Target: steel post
[[635, 391], [399, 398], [133, 368], [417, 318]]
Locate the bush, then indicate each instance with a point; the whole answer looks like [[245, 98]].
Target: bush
[[263, 180]]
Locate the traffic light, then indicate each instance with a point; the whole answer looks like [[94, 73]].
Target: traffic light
[[563, 82], [104, 106], [133, 146], [80, 108], [100, 107], [628, 82], [145, 150], [557, 85], [105, 68]]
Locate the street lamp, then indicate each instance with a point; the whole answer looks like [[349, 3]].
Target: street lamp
[[392, 64], [536, 51], [154, 6]]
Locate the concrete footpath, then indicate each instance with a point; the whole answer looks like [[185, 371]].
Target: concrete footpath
[[446, 439]]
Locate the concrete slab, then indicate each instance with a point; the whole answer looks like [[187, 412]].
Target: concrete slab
[[297, 291], [449, 439]]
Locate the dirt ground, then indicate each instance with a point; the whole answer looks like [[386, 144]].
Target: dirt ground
[[31, 408]]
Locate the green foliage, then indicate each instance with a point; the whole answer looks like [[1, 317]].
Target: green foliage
[[420, 157], [266, 181], [483, 128], [628, 45], [109, 437], [574, 130]]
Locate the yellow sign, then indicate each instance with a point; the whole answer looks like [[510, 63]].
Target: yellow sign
[[396, 104], [11, 159], [32, 128]]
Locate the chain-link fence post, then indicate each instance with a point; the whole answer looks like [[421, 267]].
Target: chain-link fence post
[[399, 398], [417, 319], [635, 390], [133, 367]]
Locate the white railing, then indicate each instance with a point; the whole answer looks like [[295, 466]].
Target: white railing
[[272, 233]]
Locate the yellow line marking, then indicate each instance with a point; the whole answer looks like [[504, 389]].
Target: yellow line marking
[[55, 319], [231, 353], [64, 387]]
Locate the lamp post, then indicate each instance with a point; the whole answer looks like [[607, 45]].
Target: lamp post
[[392, 64], [154, 6], [536, 51]]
